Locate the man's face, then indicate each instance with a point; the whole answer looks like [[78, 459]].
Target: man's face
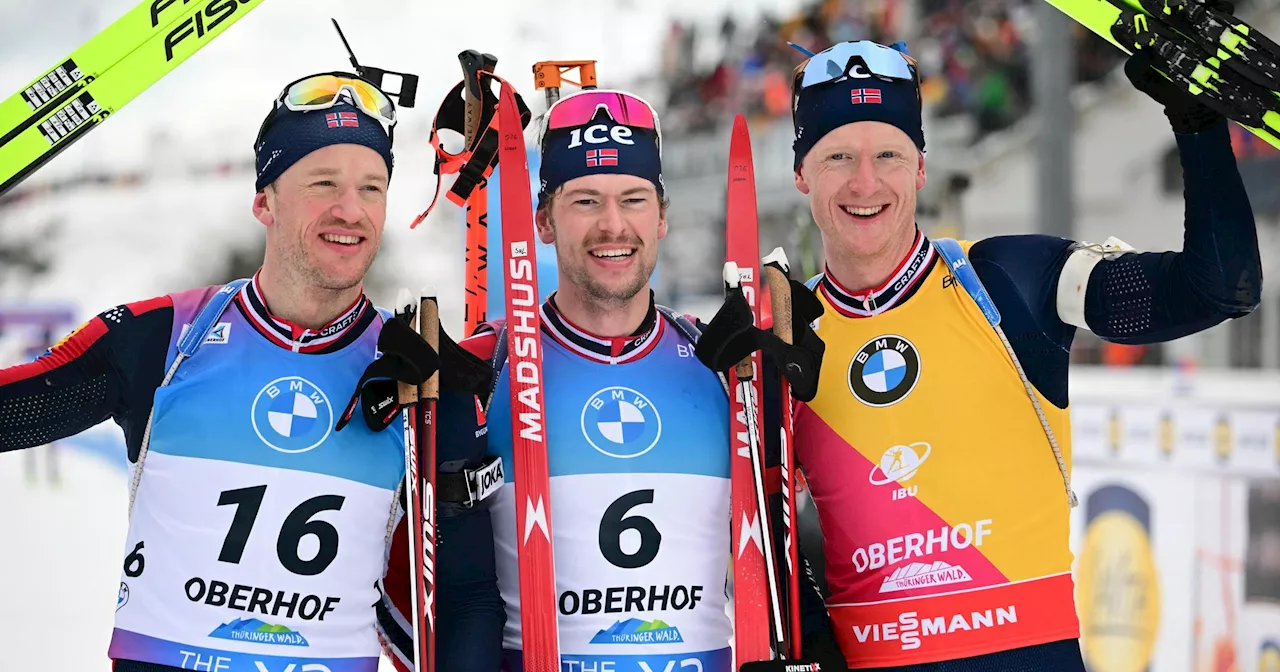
[[862, 180], [324, 215], [606, 230]]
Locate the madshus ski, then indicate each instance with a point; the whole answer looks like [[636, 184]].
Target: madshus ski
[[1232, 67], [59, 124]]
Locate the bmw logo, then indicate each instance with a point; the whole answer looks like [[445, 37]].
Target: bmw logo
[[292, 415], [620, 422], [884, 371]]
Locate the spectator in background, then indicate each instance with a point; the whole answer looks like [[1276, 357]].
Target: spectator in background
[[974, 59]]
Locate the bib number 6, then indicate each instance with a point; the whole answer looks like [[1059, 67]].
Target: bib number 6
[[297, 524], [615, 522]]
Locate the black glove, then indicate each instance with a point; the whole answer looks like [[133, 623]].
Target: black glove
[[406, 358], [1186, 113], [732, 336]]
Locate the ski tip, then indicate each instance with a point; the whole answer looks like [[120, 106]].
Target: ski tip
[[778, 256], [731, 275], [428, 292], [404, 298]]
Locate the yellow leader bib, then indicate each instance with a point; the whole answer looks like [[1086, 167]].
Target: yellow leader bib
[[944, 516]]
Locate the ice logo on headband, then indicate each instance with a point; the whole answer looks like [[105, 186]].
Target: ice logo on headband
[[600, 134]]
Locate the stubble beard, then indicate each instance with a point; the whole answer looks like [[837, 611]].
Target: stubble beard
[[612, 296], [310, 272]]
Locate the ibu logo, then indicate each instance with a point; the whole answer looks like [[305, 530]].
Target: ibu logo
[[620, 422], [292, 415]]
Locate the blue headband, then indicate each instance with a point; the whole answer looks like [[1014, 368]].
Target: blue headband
[[823, 108], [293, 135], [601, 147]]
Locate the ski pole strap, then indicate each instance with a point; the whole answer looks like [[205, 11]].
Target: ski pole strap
[[963, 271], [475, 163], [470, 486], [206, 320]]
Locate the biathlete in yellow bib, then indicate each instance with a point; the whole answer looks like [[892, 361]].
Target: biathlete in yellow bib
[[937, 448]]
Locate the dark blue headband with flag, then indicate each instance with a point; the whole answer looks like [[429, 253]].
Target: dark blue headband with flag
[[293, 135], [601, 147], [819, 109]]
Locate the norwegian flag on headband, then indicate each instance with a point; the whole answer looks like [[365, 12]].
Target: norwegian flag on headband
[[337, 119], [602, 157], [866, 96]]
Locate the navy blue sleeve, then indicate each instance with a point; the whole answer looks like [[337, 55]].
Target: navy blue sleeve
[[110, 367], [1021, 275], [1137, 298], [472, 612], [1157, 297]]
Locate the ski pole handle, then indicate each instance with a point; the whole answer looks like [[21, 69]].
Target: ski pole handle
[[776, 270], [429, 329], [473, 63], [732, 280], [407, 393]]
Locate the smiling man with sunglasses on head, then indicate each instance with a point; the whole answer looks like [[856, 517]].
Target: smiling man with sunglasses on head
[[257, 532], [937, 449]]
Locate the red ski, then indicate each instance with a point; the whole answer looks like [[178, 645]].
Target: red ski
[[528, 406], [753, 639]]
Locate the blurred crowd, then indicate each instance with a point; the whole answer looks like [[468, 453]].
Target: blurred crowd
[[974, 58]]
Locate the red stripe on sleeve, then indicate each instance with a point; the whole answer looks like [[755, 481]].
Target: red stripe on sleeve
[[65, 352], [140, 307]]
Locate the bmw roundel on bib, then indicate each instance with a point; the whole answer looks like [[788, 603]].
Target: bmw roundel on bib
[[620, 422], [884, 371], [292, 415]]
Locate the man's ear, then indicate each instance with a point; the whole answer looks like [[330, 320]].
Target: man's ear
[[546, 232], [921, 178], [264, 206], [801, 185]]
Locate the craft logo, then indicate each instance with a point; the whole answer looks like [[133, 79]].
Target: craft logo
[[1118, 593], [636, 631], [620, 422], [292, 415], [885, 370], [258, 632]]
